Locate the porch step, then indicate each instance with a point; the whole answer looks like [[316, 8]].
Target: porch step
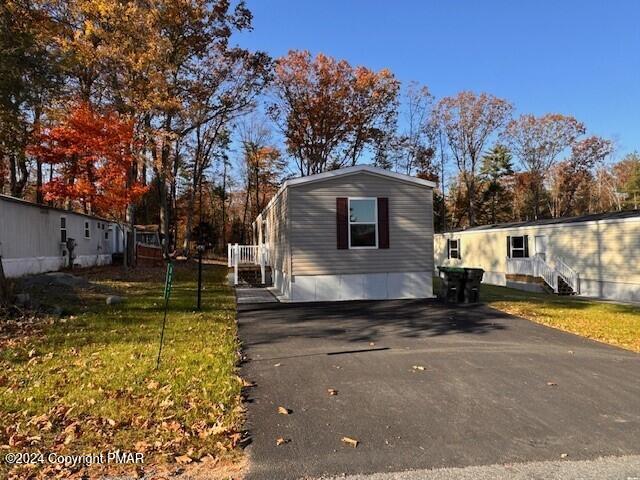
[[249, 275], [564, 288]]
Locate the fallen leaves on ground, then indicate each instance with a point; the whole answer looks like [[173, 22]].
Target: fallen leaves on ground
[[282, 441], [283, 411], [352, 442], [332, 392]]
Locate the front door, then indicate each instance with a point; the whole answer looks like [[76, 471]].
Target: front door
[[541, 245]]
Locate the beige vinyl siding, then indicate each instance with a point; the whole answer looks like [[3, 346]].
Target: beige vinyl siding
[[312, 213], [277, 233], [606, 251]]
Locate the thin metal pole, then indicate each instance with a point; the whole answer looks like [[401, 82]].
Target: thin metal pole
[[164, 322], [199, 276]]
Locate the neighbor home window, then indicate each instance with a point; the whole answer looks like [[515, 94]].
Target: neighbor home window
[[87, 231], [454, 248], [518, 247], [63, 229], [363, 223]]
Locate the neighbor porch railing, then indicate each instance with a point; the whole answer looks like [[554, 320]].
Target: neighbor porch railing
[[568, 274], [536, 266], [238, 255]]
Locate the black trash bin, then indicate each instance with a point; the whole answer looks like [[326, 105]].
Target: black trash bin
[[452, 281], [473, 278]]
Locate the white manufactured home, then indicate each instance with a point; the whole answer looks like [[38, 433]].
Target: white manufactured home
[[592, 255], [34, 238], [350, 234]]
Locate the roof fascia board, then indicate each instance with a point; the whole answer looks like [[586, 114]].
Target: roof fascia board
[[550, 226]]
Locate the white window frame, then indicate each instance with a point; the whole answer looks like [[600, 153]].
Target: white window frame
[[457, 249], [512, 248], [66, 232], [375, 222], [87, 230]]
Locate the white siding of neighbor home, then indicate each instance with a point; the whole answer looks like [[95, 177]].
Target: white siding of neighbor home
[[30, 239], [312, 214], [605, 253]]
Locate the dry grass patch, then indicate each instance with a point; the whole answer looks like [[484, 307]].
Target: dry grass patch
[[87, 383], [608, 322]]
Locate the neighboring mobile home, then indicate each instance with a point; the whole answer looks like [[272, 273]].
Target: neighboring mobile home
[[355, 233], [592, 255], [33, 238]]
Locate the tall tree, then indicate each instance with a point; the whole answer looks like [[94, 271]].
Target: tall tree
[[29, 75], [538, 142], [329, 111], [468, 121], [413, 149], [262, 166], [626, 176], [91, 154], [496, 165]]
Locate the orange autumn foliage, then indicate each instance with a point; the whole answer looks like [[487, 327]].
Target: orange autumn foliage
[[330, 111], [92, 155]]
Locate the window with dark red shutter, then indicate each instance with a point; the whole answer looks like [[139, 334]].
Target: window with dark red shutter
[[383, 222]]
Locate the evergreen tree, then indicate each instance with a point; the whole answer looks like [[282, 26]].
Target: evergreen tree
[[496, 165]]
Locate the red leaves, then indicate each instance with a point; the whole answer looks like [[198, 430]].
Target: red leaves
[[93, 154]]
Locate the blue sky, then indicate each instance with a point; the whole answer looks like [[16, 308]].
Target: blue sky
[[566, 56]]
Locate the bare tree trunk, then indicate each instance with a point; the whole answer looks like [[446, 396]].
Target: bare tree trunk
[[19, 174], [224, 206], [186, 250], [4, 286], [164, 215], [244, 215]]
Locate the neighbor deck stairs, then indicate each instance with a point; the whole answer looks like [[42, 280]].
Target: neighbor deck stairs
[[555, 277]]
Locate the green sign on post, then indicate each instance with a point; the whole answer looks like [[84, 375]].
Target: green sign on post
[[168, 281], [167, 293]]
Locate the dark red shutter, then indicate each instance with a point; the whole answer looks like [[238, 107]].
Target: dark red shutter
[[459, 250], [448, 248], [526, 245], [508, 246], [342, 223], [383, 222]]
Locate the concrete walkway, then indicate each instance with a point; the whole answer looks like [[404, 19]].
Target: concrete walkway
[[422, 386], [609, 468], [249, 295]]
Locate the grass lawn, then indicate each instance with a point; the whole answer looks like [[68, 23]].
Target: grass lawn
[[612, 323], [87, 382]]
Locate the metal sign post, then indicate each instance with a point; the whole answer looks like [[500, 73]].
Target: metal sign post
[[167, 293], [200, 250]]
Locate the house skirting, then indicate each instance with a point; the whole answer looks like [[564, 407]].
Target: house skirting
[[620, 291], [19, 267], [369, 286], [617, 291]]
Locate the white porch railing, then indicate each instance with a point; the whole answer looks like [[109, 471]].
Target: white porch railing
[[568, 274], [247, 255], [534, 267], [520, 266], [548, 274]]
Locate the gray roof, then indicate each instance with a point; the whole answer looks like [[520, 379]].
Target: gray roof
[[27, 203], [562, 220]]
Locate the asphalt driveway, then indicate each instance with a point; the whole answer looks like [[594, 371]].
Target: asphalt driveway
[[422, 385]]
